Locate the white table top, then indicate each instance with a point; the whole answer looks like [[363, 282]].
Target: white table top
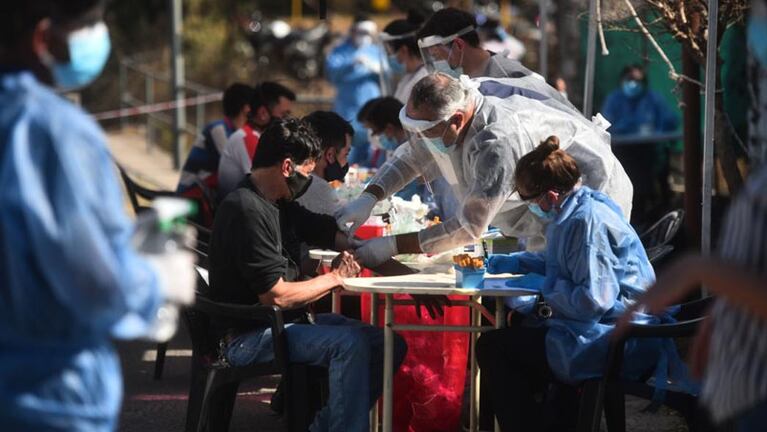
[[323, 254], [434, 284]]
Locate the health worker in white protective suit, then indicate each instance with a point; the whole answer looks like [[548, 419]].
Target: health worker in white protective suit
[[449, 43], [474, 141]]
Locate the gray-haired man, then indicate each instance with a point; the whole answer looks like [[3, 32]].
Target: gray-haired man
[[474, 142]]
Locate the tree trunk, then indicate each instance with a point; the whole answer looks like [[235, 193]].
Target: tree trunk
[[723, 144], [693, 155]]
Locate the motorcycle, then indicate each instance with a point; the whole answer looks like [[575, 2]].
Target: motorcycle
[[297, 52]]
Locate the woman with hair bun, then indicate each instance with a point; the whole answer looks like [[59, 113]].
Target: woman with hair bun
[[593, 267]]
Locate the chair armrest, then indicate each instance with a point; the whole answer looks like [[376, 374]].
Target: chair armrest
[[677, 329], [262, 313], [615, 352], [257, 313]]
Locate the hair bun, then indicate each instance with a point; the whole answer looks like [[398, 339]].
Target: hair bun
[[550, 145]]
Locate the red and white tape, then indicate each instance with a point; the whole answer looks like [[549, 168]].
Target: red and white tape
[[157, 107]]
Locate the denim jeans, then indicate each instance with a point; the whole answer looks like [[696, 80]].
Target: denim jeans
[[753, 420], [351, 350]]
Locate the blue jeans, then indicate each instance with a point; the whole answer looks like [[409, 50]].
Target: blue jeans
[[351, 350], [753, 420]]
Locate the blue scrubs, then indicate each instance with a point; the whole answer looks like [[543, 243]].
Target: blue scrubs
[[647, 113], [594, 265], [69, 279], [355, 84]]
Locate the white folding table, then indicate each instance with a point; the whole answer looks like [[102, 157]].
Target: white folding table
[[440, 284]]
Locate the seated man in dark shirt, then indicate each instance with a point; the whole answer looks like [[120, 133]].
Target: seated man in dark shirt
[[249, 265]]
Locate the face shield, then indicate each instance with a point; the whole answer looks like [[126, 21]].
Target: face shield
[[436, 52], [430, 134], [391, 68]]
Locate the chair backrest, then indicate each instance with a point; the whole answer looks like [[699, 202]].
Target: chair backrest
[[198, 323], [137, 192], [663, 231]]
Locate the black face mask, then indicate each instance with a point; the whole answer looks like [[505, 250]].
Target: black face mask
[[335, 171], [298, 183]]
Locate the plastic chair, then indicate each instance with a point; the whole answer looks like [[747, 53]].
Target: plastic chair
[[657, 238], [138, 194], [213, 387], [663, 231], [608, 393]]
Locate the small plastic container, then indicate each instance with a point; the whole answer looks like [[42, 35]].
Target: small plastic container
[[469, 277], [372, 228]]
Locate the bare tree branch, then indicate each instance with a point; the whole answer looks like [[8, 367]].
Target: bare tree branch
[[605, 51]]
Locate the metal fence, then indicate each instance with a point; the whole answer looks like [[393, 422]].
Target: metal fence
[[133, 76], [141, 86]]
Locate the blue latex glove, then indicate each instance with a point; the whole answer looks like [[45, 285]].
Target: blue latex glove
[[502, 263], [529, 281]]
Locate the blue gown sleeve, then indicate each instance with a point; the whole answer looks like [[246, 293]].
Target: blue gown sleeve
[[587, 286], [532, 262], [80, 234]]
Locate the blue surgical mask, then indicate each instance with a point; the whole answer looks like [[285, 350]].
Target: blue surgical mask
[[444, 66], [631, 88], [395, 65], [439, 143], [757, 38], [536, 209], [389, 144], [89, 50]]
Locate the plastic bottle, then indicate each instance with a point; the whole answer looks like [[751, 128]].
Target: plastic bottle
[[162, 230]]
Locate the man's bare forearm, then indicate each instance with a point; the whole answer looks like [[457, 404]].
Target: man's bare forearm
[[292, 295]]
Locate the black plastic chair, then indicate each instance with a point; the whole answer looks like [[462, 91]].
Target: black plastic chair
[[214, 384], [658, 237], [608, 393], [663, 231], [137, 193]]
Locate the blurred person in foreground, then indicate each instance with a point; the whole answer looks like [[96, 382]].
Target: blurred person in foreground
[[354, 68], [70, 281], [199, 175], [270, 101], [249, 264], [634, 110], [593, 266], [730, 350]]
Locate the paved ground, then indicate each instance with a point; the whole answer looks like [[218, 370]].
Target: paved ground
[[160, 406]]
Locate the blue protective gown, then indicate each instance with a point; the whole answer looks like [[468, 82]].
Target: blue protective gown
[[69, 279], [594, 264], [355, 84], [647, 113]]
